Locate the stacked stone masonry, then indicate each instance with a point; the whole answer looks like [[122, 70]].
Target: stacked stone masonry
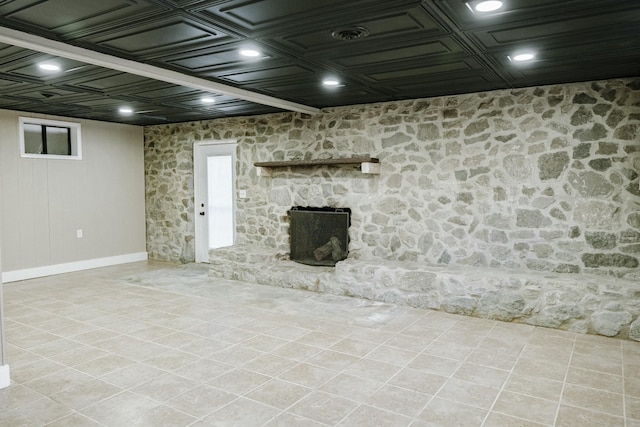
[[538, 179]]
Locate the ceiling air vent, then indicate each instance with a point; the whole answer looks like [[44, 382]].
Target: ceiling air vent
[[350, 33]]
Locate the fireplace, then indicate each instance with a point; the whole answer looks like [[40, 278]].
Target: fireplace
[[319, 236]]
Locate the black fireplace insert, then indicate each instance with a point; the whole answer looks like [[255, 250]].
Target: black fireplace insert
[[319, 236]]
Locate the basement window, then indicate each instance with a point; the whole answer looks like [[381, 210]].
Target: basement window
[[50, 139]]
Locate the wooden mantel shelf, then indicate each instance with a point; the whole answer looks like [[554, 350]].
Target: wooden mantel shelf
[[368, 164]]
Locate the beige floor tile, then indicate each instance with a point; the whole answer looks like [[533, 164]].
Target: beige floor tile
[[75, 420], [392, 355], [201, 401], [162, 416], [493, 359], [350, 387], [239, 381], [435, 365], [324, 407], [495, 419], [468, 393], [374, 417], [548, 353], [15, 396], [594, 399], [481, 375], [242, 412], [119, 410], [236, 355], [287, 332], [598, 380], [367, 368], [320, 339], [527, 407], [172, 360], [540, 369], [536, 387], [296, 351], [278, 393], [332, 360], [308, 375], [449, 349], [78, 356], [104, 365], [502, 346], [416, 344], [423, 382], [632, 406], [372, 335], [35, 370], [631, 387], [165, 387], [569, 416], [204, 347], [264, 343], [228, 334], [58, 381], [444, 413], [95, 336], [270, 364], [596, 363], [399, 400], [292, 420], [132, 375], [37, 413], [203, 370], [56, 347], [174, 340], [353, 347], [85, 394]]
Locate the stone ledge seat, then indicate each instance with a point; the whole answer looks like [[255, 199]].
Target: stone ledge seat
[[581, 303]]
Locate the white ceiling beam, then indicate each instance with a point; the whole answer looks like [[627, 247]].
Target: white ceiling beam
[[64, 50]]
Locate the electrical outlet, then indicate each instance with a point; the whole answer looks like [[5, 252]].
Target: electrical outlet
[[242, 194], [79, 233]]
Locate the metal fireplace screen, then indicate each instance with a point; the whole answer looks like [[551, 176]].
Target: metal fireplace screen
[[319, 236]]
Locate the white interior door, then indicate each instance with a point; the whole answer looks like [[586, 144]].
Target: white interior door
[[214, 189]]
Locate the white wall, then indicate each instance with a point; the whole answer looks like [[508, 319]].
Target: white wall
[[44, 202]]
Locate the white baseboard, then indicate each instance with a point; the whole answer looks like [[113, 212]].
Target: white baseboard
[[50, 270], [5, 378]]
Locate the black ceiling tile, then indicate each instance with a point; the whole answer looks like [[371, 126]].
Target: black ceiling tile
[[560, 30], [268, 74], [211, 60], [386, 28], [413, 52], [163, 36], [71, 18]]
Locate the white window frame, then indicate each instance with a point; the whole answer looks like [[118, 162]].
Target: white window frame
[[76, 138]]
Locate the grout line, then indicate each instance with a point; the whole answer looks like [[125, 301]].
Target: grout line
[[564, 382]]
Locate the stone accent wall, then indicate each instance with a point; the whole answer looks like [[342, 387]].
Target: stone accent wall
[[542, 179]]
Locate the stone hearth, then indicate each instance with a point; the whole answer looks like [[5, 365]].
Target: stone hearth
[[576, 302]]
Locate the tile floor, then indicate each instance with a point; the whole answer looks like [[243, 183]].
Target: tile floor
[[153, 344]]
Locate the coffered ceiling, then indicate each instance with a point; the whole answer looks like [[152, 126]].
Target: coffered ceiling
[[407, 49]]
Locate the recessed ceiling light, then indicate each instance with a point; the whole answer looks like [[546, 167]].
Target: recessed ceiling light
[[488, 6], [49, 67], [250, 53], [207, 100], [126, 110], [521, 57], [331, 82]]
